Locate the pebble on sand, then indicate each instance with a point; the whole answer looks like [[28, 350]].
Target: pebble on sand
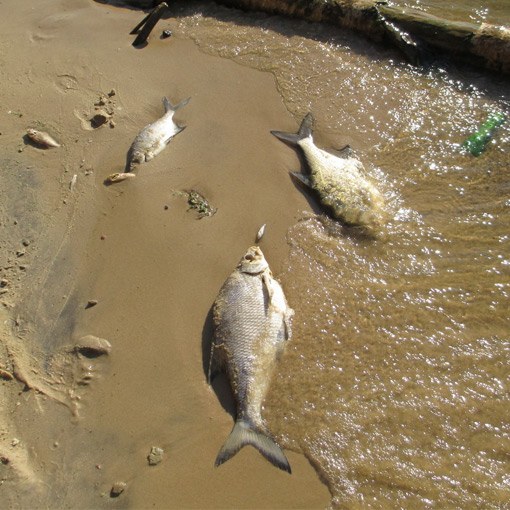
[[155, 456], [92, 346], [117, 489]]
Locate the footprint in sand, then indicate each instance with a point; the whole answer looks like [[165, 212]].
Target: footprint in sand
[[66, 82], [48, 27], [102, 114]]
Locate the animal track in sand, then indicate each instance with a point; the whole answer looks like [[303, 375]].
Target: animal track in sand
[[66, 82], [102, 114], [48, 27]]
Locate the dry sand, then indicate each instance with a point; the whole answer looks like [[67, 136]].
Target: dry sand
[[71, 426]]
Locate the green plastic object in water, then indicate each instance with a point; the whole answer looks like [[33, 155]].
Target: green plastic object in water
[[476, 143]]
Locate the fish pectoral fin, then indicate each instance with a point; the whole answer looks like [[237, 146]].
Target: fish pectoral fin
[[179, 129], [214, 365], [266, 280], [243, 434], [303, 178], [287, 322]]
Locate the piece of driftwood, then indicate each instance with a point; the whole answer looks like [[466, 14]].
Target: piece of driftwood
[[148, 23], [483, 45], [414, 32]]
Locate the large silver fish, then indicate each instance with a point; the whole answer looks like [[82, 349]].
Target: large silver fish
[[153, 138], [339, 181], [251, 324]]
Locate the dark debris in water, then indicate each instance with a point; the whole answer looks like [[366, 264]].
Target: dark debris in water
[[198, 202]]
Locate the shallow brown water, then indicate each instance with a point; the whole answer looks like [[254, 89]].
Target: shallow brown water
[[394, 385], [475, 11], [398, 369]]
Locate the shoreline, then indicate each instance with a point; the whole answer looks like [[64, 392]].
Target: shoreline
[[418, 36]]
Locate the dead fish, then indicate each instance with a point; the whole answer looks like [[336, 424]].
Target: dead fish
[[42, 139], [339, 181], [251, 321], [153, 138], [119, 176]]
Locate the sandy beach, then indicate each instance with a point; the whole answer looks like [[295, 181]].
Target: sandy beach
[[72, 426]]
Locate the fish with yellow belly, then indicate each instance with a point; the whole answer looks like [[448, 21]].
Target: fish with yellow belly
[[339, 181], [251, 322]]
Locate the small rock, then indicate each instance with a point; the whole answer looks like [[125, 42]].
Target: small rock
[[92, 346], [91, 303], [25, 242], [117, 489], [166, 33], [4, 374], [155, 456], [20, 253], [4, 282], [4, 460], [15, 442], [260, 233], [111, 93], [101, 117], [112, 124]]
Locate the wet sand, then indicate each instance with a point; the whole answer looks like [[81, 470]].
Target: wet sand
[[152, 266]]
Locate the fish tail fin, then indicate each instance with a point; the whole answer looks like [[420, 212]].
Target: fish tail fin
[[243, 434], [170, 108], [305, 130]]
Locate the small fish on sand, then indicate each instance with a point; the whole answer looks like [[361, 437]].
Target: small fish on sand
[[252, 322], [118, 176], [153, 138], [339, 181], [41, 139]]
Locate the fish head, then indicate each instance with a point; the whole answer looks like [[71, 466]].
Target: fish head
[[253, 261], [136, 158]]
